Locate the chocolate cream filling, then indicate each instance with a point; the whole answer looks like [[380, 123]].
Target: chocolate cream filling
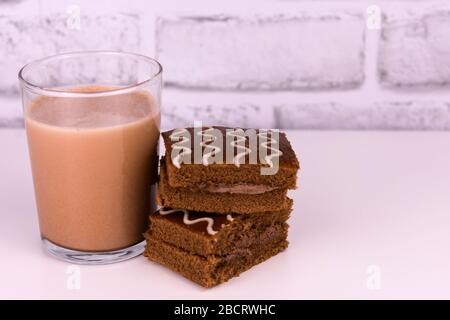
[[238, 188]]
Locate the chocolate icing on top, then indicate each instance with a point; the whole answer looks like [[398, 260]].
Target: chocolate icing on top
[[287, 157], [200, 222], [239, 142]]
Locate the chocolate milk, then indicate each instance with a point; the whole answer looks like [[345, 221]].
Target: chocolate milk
[[94, 163]]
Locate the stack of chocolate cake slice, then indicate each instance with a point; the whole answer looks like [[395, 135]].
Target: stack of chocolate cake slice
[[220, 218]]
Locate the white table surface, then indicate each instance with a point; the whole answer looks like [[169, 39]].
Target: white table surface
[[365, 199]]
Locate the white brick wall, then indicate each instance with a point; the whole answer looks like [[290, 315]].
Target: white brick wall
[[415, 50], [292, 64], [422, 115], [33, 37], [301, 51]]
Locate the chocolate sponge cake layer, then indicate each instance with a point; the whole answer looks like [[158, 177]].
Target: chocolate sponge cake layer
[[225, 175], [213, 269], [232, 232], [223, 202]]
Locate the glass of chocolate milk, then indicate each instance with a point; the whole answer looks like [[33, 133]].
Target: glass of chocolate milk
[[92, 121]]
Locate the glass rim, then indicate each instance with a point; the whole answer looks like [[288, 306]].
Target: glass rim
[[65, 93]]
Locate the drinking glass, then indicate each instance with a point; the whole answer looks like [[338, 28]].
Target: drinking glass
[[93, 121]]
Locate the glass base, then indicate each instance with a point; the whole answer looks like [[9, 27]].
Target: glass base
[[93, 257]]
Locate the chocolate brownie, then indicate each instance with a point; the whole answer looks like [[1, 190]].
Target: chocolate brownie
[[210, 248], [251, 151], [219, 202], [231, 186]]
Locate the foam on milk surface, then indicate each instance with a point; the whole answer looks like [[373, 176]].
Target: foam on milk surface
[[92, 112]]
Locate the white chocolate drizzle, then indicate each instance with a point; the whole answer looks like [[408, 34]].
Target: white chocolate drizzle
[[246, 150], [186, 220], [230, 217], [235, 143], [278, 153], [179, 146], [212, 148]]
